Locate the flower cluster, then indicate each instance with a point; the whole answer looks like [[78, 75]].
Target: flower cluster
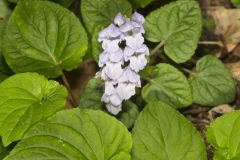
[[123, 57]]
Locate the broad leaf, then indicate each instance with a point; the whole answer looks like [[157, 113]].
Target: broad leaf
[[44, 37], [26, 99], [162, 133], [77, 134], [212, 83], [168, 85], [143, 3], [178, 25], [103, 12], [224, 135]]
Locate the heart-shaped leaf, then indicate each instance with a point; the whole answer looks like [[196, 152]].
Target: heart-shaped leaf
[[177, 25], [44, 37], [224, 135], [168, 85], [26, 99], [103, 12], [77, 134], [162, 133], [212, 84]]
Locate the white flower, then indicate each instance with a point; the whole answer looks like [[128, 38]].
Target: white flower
[[123, 57]]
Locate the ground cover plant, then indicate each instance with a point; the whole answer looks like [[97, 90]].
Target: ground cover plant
[[119, 80]]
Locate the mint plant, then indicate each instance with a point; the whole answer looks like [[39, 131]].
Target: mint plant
[[133, 107]]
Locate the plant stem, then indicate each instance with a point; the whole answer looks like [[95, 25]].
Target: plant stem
[[219, 43], [156, 48], [66, 83], [188, 71]]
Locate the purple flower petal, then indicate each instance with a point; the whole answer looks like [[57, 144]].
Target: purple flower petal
[[111, 45], [135, 42], [136, 17], [129, 76], [113, 70], [126, 90], [119, 19], [110, 32], [137, 63]]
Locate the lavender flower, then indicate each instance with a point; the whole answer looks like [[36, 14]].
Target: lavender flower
[[123, 57]]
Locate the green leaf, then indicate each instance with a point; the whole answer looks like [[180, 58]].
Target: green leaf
[[178, 25], [26, 99], [77, 134], [44, 37], [96, 46], [129, 114], [224, 135], [5, 71], [169, 85], [162, 133], [143, 3], [91, 95], [212, 83], [4, 10], [4, 151], [65, 3], [103, 12], [236, 3]]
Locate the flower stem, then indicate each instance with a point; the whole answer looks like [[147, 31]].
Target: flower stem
[[66, 83], [156, 48], [188, 71]]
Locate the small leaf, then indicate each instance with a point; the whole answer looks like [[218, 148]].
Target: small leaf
[[212, 83], [91, 95], [168, 85], [26, 99], [77, 134], [224, 135], [103, 12], [44, 37], [178, 25], [129, 114], [162, 133]]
